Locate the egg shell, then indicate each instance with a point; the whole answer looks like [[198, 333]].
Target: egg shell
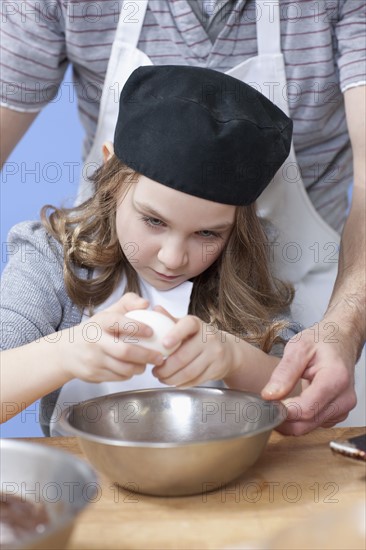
[[161, 325]]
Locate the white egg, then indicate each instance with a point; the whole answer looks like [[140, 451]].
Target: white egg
[[161, 325]]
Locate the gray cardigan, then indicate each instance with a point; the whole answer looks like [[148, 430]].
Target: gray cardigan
[[34, 301]]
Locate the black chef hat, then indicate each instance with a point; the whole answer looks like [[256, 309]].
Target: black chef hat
[[201, 132]]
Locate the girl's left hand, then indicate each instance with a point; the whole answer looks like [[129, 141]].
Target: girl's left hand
[[205, 353]]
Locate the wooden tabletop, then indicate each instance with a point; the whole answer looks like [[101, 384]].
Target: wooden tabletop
[[296, 483]]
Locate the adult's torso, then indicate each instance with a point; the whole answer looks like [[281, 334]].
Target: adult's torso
[[173, 33]]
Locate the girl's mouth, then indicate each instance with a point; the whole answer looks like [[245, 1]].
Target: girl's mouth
[[167, 277]]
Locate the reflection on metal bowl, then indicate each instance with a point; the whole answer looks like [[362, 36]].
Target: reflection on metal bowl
[[51, 485], [172, 442]]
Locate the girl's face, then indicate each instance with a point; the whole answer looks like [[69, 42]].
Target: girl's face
[[168, 236]]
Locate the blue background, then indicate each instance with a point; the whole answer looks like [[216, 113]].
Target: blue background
[[36, 173]]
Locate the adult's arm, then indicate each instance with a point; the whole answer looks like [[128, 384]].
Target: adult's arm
[[13, 125], [329, 366], [33, 63]]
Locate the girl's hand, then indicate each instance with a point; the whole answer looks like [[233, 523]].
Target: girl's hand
[[205, 353], [104, 348]]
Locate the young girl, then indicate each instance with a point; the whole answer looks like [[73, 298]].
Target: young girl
[[171, 226]]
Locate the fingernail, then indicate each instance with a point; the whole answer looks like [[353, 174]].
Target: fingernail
[[159, 360], [272, 389]]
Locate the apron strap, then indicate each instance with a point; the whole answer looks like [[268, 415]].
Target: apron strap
[[130, 22], [128, 31], [268, 27]]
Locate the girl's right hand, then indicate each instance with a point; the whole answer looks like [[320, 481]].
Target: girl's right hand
[[104, 348]]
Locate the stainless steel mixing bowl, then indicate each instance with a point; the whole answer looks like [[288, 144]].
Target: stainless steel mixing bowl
[[172, 442], [61, 482]]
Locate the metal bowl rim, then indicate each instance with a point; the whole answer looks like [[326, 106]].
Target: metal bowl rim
[[278, 406]]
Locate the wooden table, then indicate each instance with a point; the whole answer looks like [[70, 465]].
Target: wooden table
[[296, 479]]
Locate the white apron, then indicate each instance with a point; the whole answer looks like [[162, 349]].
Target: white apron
[[303, 234]]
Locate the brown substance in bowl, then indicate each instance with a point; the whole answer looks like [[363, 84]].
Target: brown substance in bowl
[[19, 519]]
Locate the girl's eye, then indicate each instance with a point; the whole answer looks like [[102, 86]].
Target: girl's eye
[[208, 234], [155, 223], [152, 222]]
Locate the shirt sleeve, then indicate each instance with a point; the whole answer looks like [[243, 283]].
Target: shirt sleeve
[[33, 53], [350, 32], [32, 287], [286, 334]]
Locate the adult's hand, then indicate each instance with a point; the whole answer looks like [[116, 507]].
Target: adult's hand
[[327, 364]]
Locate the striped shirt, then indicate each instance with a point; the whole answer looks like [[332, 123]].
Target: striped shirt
[[323, 43]]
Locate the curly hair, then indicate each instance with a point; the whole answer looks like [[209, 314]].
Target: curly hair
[[237, 293]]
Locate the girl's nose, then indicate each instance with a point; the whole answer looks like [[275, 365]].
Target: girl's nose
[[173, 255]]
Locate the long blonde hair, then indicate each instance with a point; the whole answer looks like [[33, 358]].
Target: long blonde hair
[[237, 293]]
